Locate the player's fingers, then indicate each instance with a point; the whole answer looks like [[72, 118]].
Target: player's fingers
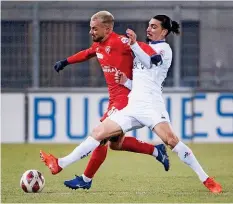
[[117, 73], [129, 35], [117, 77], [129, 32], [117, 80]]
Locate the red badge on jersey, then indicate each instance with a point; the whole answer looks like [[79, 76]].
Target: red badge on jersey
[[107, 49], [125, 40]]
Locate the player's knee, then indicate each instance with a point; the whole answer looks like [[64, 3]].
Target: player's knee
[[114, 145], [172, 139], [98, 133]]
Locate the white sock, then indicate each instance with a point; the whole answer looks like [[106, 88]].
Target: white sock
[[81, 151], [155, 152], [186, 155], [86, 179]]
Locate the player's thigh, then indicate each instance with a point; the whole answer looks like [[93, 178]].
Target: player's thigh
[[111, 110], [151, 117], [125, 120]]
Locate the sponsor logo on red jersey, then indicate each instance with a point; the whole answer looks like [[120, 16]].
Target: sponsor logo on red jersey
[[109, 69]]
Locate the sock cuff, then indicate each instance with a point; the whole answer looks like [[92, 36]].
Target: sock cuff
[[178, 146], [86, 179], [93, 140]]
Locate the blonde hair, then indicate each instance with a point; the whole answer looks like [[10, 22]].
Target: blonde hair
[[105, 17]]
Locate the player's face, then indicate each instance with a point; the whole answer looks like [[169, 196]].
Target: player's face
[[155, 31], [98, 30]]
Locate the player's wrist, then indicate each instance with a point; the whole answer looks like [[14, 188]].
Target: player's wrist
[[132, 42], [128, 84], [64, 62], [134, 45]]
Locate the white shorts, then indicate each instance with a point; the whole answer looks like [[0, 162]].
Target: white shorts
[[131, 118]]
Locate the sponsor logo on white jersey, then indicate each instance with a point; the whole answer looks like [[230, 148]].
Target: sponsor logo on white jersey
[[162, 53], [138, 65]]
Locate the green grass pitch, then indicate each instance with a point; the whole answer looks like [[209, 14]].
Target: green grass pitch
[[123, 178]]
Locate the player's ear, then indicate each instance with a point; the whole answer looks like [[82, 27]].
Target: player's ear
[[164, 32], [107, 27]]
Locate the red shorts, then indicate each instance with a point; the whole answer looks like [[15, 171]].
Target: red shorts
[[114, 106]]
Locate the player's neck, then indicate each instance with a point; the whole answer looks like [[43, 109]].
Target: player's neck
[[106, 37]]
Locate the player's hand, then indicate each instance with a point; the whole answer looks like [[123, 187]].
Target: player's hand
[[120, 77], [131, 35], [60, 65]]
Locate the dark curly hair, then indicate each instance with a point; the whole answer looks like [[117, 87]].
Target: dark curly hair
[[167, 23]]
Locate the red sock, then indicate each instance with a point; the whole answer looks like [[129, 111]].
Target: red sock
[[97, 158], [131, 144]]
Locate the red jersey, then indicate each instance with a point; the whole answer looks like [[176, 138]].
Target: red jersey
[[113, 54]]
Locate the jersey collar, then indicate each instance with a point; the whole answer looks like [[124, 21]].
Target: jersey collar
[[111, 34], [158, 41]]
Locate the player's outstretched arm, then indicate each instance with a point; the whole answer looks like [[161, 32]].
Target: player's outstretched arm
[[145, 53], [122, 79], [143, 57], [76, 58]]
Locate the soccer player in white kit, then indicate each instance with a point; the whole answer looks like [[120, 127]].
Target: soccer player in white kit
[[145, 106]]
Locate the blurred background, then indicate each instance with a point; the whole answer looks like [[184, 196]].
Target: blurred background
[[35, 35]]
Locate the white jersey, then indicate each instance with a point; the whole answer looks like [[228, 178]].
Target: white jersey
[[146, 105], [147, 77]]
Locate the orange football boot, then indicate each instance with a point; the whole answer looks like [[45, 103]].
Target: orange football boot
[[212, 185], [51, 162]]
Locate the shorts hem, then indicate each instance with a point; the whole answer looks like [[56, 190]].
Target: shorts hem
[[153, 126]]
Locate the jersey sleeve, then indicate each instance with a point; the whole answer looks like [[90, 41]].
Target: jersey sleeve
[[128, 84], [124, 44], [143, 52], [82, 55]]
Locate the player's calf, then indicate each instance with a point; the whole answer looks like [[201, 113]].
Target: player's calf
[[172, 140]]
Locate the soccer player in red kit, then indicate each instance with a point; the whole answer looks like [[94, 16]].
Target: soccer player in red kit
[[114, 55]]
